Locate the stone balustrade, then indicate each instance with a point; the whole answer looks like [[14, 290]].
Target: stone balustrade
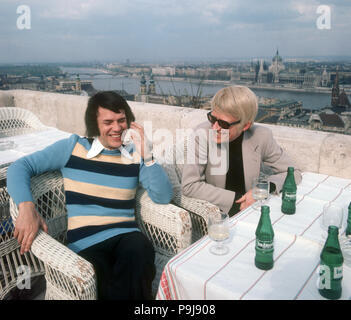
[[316, 151]]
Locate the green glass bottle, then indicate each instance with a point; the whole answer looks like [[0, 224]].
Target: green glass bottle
[[348, 228], [330, 269], [264, 241], [289, 193]]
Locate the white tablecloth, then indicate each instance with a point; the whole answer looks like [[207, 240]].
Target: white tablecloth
[[29, 143], [195, 273]]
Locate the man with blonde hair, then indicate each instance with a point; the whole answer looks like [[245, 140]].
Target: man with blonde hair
[[250, 148]]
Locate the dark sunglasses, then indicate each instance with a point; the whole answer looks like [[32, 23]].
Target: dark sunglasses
[[223, 124]]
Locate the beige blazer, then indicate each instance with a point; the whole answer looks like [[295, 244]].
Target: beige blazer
[[260, 153]]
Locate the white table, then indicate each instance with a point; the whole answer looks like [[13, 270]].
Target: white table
[[21, 145], [28, 143], [195, 273]]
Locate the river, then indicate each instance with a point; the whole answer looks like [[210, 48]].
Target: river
[[309, 100]]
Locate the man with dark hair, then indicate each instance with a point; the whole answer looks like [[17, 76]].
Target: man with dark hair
[[110, 100], [101, 176]]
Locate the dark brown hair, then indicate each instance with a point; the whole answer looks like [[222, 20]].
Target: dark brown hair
[[109, 100]]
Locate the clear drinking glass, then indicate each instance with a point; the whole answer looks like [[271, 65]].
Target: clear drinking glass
[[345, 245], [260, 192], [7, 145], [218, 231], [332, 216]]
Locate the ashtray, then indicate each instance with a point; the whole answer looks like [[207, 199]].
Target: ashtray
[[6, 145]]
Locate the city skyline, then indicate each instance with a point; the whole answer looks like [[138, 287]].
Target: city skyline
[[156, 31]]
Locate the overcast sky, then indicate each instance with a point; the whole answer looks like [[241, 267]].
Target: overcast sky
[[157, 30]]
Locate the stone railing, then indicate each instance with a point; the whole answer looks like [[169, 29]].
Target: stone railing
[[321, 152]]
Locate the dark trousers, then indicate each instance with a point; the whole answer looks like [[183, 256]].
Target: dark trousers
[[124, 267]]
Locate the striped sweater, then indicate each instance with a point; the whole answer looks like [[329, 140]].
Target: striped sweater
[[100, 192]]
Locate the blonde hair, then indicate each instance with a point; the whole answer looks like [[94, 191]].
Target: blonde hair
[[238, 101]]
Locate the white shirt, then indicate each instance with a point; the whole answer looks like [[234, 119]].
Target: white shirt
[[97, 147]]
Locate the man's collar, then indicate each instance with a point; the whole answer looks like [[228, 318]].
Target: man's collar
[[97, 148]]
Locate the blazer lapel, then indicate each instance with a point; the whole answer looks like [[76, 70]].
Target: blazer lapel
[[251, 162], [216, 174], [251, 159]]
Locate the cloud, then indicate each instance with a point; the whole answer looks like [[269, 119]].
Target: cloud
[[117, 29], [66, 9]]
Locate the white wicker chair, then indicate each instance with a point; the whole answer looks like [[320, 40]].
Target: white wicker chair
[[10, 258], [199, 210], [15, 121], [70, 277]]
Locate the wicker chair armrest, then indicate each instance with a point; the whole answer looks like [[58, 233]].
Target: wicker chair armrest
[[68, 276], [199, 211], [49, 200], [200, 207], [168, 226], [175, 156]]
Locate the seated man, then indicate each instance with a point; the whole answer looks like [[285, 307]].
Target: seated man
[[101, 177], [245, 149]]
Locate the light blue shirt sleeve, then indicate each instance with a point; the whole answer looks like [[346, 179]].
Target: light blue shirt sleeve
[[53, 157], [155, 180]]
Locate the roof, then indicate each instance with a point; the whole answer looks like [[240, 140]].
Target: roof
[[331, 120], [271, 119], [343, 99]]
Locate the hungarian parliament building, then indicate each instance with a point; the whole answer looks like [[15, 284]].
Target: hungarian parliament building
[[276, 73]]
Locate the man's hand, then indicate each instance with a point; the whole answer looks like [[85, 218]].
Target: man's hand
[[140, 140], [27, 225], [246, 200]]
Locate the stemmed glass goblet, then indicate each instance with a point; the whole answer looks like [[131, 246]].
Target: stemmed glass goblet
[[218, 231], [345, 244], [332, 216], [260, 191]]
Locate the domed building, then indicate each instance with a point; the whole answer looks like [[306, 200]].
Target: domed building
[[276, 66], [325, 78]]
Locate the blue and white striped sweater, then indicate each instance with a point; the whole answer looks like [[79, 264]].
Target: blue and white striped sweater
[[100, 192]]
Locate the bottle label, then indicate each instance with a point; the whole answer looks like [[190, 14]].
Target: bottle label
[[327, 274], [337, 272], [289, 196], [264, 245]]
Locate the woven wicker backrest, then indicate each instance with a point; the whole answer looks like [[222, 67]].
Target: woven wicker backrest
[[15, 121]]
